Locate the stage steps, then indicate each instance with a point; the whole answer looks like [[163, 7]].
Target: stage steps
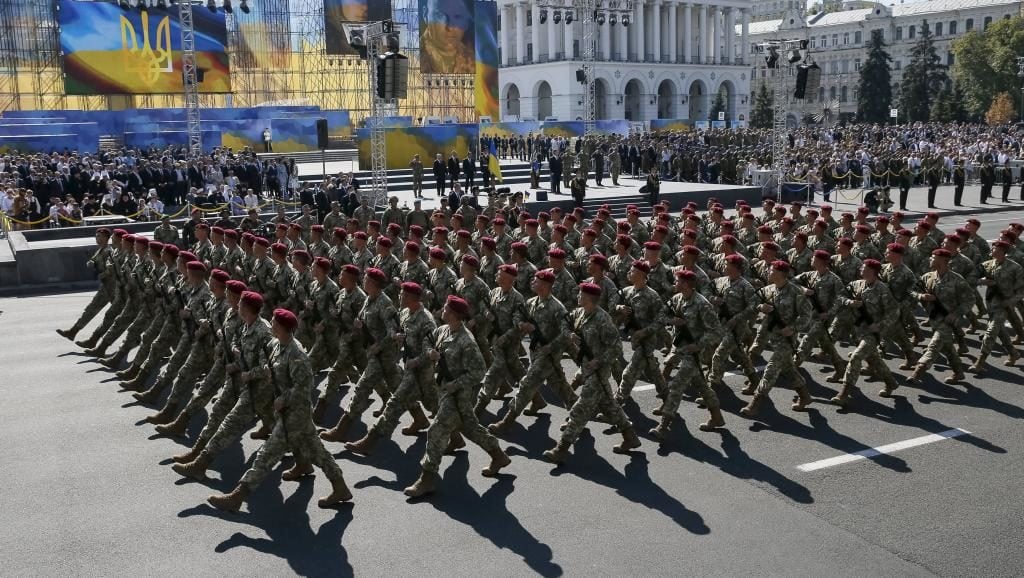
[[330, 156]]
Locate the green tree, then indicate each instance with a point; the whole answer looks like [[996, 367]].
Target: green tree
[[985, 64], [1001, 111], [943, 109], [923, 77], [718, 105], [874, 96], [762, 115]]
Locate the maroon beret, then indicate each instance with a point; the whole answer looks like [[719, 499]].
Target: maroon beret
[[896, 248], [471, 261], [220, 275], [438, 253], [279, 249], [172, 250], [394, 228], [488, 242], [202, 227], [686, 275], [196, 266], [945, 253], [416, 230], [317, 228], [457, 305], [652, 246], [735, 259], [873, 264], [286, 319], [252, 300], [231, 234], [556, 253], [237, 287], [262, 242], [384, 242], [412, 288], [323, 263], [412, 247], [302, 255], [156, 246], [546, 275], [377, 275], [643, 266], [780, 266], [217, 230], [360, 235], [350, 269], [187, 256], [823, 255], [599, 260], [1004, 245], [120, 233], [591, 289], [463, 234], [509, 269]]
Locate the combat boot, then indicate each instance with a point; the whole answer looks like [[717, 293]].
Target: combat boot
[[164, 416], [661, 432], [263, 433], [112, 361], [230, 502], [481, 406], [536, 404], [978, 367], [954, 379], [503, 425], [97, 351], [419, 421], [339, 431], [455, 443], [803, 399], [68, 334], [558, 454], [908, 362], [1011, 358], [87, 343], [383, 403], [319, 410], [425, 484], [842, 399], [499, 459], [890, 386], [836, 377], [128, 373], [301, 469], [339, 494], [630, 441], [149, 396], [191, 454], [715, 421], [916, 377], [364, 446], [196, 469], [750, 389], [752, 408], [177, 428]]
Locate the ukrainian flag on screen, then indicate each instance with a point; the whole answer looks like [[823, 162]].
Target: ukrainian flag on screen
[[492, 163]]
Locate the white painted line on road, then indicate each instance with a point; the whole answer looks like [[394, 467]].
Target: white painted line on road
[[650, 387], [886, 449]]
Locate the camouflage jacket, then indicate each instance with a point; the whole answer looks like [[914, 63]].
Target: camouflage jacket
[[737, 301], [552, 322], [346, 309], [477, 294], [261, 275], [418, 327], [647, 312], [792, 309], [440, 284], [701, 326], [508, 310], [610, 296], [599, 338], [525, 273], [380, 322], [828, 289], [323, 296], [877, 305], [565, 288], [415, 271], [1009, 278], [800, 260], [847, 268], [461, 364], [900, 280], [292, 376], [340, 255], [252, 343], [953, 294]]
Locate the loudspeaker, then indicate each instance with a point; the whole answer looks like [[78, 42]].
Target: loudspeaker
[[321, 133], [801, 82]]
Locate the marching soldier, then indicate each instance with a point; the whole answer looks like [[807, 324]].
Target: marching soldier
[[100, 262], [1004, 279], [947, 298]]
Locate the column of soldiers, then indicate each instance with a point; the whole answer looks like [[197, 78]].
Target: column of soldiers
[[468, 325]]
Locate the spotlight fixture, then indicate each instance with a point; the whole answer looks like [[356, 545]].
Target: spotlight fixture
[[612, 19], [244, 6], [625, 20], [771, 60], [600, 19], [141, 5], [124, 5], [568, 17], [228, 8], [543, 16], [557, 16], [161, 4], [793, 56], [211, 5]]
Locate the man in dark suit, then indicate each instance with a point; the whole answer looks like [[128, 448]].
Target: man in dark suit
[[440, 172], [469, 171], [959, 179], [555, 173], [485, 168], [597, 160], [453, 169]]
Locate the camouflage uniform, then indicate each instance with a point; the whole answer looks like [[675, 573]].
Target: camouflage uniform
[[195, 299], [826, 301], [138, 313], [700, 328], [120, 269], [901, 282], [380, 322], [414, 271], [644, 325], [203, 347], [547, 344], [791, 310], [292, 379], [1002, 296], [872, 318], [165, 313], [240, 404], [417, 382], [460, 369], [599, 344], [324, 351], [477, 294], [737, 307], [440, 284], [953, 300], [225, 324], [508, 310], [103, 264], [351, 358]]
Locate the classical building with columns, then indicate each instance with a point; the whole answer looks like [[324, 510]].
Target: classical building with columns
[[838, 42], [668, 63]]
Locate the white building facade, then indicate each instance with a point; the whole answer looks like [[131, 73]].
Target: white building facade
[[669, 62], [838, 42]]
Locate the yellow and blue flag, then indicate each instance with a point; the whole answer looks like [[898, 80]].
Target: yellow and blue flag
[[492, 163]]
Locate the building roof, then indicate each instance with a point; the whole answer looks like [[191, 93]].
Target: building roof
[[762, 27], [932, 6], [921, 7]]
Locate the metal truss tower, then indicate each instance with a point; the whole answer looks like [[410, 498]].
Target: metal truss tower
[[190, 79]]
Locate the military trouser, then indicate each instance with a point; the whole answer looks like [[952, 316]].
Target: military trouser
[[380, 375], [866, 351], [781, 361], [642, 364], [616, 171], [173, 337], [842, 326], [295, 435], [817, 335], [96, 304], [688, 377], [132, 320], [942, 343], [1015, 322], [596, 394], [996, 329], [324, 350], [907, 318], [455, 413], [546, 367], [255, 401], [155, 330], [351, 361], [897, 333], [211, 384], [117, 308], [199, 361], [732, 347], [417, 385], [481, 333], [505, 368]]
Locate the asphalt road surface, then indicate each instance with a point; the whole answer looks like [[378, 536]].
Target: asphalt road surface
[[87, 489]]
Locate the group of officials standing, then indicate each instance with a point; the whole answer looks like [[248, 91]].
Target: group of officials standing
[[441, 321]]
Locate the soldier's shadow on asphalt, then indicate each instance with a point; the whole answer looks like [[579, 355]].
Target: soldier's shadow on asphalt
[[289, 533], [633, 483], [488, 514]]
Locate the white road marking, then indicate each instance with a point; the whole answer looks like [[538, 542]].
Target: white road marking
[[650, 387], [886, 449]]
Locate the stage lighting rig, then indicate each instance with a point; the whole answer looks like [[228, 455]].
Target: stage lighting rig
[[557, 16], [161, 4], [211, 5], [227, 7], [244, 6], [141, 5], [124, 5], [543, 16]]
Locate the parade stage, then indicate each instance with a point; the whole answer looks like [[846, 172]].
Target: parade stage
[[628, 193]]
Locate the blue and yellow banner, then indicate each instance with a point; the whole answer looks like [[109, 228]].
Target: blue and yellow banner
[[426, 141], [108, 50], [486, 83]]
